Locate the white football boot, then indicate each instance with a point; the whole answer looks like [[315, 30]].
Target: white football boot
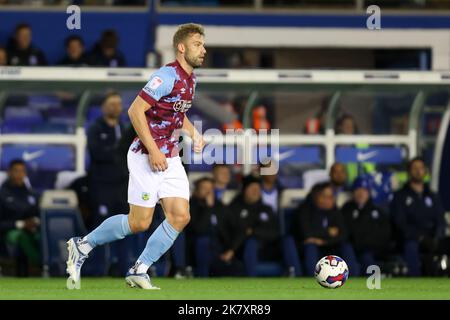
[[139, 280], [74, 263]]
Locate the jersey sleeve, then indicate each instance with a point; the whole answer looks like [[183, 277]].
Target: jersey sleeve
[[160, 84]]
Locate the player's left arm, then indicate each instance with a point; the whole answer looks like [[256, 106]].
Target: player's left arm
[[196, 137]]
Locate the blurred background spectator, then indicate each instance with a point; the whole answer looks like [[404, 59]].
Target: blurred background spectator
[[346, 124], [106, 52], [19, 219], [419, 222], [21, 51], [368, 226], [221, 178], [210, 234], [316, 124], [319, 228], [338, 180], [107, 180], [75, 55], [271, 190], [258, 237]]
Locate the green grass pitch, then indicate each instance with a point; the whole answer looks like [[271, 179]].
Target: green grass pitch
[[223, 289]]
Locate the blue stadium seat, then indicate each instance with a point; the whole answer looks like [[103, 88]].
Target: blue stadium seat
[[50, 128], [43, 161], [63, 119], [61, 220], [42, 180], [43, 101], [20, 119], [21, 112]]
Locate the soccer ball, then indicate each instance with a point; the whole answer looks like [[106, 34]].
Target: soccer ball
[[331, 272]]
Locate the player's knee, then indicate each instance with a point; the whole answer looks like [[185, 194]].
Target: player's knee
[[187, 218], [140, 225], [181, 220]]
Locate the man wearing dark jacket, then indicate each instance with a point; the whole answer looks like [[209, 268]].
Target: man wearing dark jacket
[[107, 180], [258, 234], [210, 233], [368, 225], [20, 50], [418, 218], [75, 55], [320, 229], [106, 52], [19, 214]]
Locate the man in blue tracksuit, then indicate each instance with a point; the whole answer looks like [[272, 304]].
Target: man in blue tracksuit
[[418, 218]]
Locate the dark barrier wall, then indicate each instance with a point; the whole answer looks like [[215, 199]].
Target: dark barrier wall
[[49, 31]]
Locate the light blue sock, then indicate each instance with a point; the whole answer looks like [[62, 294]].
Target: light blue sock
[[113, 228], [158, 243]]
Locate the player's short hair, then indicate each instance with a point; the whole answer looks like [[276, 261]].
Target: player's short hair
[[184, 31]]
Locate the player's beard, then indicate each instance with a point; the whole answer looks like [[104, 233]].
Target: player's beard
[[193, 61]]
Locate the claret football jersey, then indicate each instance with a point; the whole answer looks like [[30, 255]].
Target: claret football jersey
[[170, 92]]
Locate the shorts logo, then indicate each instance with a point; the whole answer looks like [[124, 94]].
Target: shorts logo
[[145, 196]]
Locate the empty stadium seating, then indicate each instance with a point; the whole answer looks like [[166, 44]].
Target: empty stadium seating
[[60, 220]]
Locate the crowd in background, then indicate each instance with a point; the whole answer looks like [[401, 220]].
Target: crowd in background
[[232, 238], [20, 51]]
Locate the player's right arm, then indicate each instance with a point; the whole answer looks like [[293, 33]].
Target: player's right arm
[[136, 113], [160, 84]]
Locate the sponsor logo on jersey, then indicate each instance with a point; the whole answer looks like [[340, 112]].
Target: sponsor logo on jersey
[[182, 105]]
